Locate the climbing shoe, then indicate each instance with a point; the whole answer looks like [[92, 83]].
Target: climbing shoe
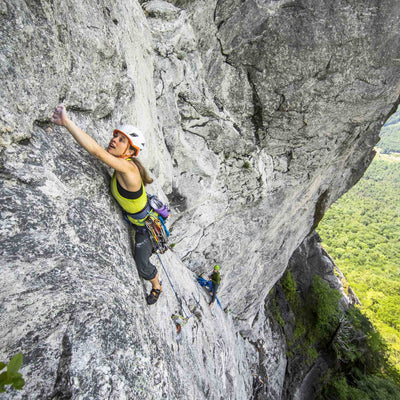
[[153, 296]]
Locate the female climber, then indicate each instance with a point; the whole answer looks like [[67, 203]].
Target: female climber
[[127, 186]]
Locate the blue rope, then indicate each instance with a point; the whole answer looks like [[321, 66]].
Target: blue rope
[[176, 294], [163, 224]]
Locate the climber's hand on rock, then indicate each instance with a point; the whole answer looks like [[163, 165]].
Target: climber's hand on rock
[[60, 115]]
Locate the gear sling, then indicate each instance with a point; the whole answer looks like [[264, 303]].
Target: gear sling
[[153, 218]]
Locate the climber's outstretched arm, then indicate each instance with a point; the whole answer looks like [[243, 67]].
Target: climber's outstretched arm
[[60, 117]]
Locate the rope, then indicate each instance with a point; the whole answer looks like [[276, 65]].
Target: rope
[[159, 237], [172, 286], [160, 246]]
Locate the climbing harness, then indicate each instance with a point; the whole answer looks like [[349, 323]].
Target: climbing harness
[[155, 224], [153, 217]]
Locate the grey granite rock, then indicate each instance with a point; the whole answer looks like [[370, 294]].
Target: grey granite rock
[[258, 115]]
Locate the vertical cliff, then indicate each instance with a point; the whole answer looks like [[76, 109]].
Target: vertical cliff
[[258, 115]]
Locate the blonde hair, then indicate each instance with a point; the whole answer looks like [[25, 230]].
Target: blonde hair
[[146, 179]]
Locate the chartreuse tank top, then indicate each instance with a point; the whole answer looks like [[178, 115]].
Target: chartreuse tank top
[[130, 205]]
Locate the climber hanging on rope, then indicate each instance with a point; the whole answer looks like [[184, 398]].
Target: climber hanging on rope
[[127, 186]]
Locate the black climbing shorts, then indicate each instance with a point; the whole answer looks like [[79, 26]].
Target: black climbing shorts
[[143, 249]]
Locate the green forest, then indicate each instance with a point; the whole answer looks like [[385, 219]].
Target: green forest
[[390, 135], [361, 232]]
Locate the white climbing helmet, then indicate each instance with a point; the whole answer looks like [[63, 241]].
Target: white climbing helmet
[[134, 135]]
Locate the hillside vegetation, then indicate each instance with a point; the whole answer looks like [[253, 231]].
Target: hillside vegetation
[[316, 326], [390, 135], [361, 232]]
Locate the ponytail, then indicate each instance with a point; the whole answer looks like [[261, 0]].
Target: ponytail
[[146, 179]]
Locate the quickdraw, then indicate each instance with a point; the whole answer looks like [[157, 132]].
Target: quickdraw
[[159, 233], [179, 322]]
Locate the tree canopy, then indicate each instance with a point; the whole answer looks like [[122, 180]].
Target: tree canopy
[[361, 232]]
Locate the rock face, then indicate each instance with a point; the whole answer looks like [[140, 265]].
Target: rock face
[[258, 115]]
